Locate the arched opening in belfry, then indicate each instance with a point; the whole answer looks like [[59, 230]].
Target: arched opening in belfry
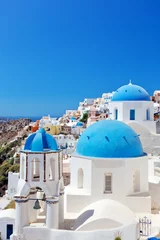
[[23, 170], [35, 169], [37, 205], [52, 169], [80, 178]]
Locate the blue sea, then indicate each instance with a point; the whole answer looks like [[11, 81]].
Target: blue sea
[[33, 118]]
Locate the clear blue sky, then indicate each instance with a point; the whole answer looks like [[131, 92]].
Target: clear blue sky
[[55, 53]]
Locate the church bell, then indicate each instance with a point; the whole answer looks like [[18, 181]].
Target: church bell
[[36, 205]]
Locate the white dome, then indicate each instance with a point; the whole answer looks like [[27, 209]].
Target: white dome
[[104, 214], [8, 213]]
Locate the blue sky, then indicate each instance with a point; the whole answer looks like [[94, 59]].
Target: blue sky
[[55, 53]]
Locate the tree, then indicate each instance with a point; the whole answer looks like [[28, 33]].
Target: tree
[[84, 118]]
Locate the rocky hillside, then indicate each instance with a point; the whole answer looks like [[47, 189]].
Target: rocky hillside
[[10, 129], [12, 133]]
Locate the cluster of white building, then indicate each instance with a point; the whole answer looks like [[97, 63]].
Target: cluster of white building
[[115, 178]]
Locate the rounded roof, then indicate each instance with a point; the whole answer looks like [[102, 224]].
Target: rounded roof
[[8, 213], [40, 142], [104, 209], [131, 92], [79, 124], [109, 139]]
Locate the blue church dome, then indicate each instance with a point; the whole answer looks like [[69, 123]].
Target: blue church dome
[[72, 118], [40, 142], [79, 124], [131, 92], [109, 139]]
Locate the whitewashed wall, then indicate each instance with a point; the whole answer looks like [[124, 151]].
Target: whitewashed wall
[[12, 184], [124, 110], [3, 226], [127, 232], [148, 139], [122, 171]]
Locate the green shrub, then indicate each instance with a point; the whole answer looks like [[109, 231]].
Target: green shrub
[[84, 118], [117, 238], [14, 168]]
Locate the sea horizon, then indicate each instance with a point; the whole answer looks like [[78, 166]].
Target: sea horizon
[[33, 118]]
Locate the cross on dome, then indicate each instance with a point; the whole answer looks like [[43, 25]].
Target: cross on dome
[[130, 82]]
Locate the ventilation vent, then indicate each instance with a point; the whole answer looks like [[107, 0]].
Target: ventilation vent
[[125, 139], [107, 138]]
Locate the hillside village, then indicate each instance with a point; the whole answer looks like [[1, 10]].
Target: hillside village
[[75, 166]]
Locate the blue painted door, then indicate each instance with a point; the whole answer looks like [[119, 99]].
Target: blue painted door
[[9, 230]]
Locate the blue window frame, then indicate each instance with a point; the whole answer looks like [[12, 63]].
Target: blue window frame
[[132, 114], [147, 114], [116, 114]]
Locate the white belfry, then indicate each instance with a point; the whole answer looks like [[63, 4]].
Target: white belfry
[[40, 187]]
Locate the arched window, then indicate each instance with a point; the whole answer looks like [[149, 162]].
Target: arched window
[[132, 114], [35, 169], [116, 114], [23, 168], [148, 114], [80, 178], [136, 181], [52, 169]]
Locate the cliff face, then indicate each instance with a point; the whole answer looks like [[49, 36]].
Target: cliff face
[[10, 129], [12, 134]]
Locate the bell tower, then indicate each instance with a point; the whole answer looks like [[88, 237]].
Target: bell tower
[[40, 188]]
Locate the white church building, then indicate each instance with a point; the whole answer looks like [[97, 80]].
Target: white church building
[[132, 104], [109, 186], [109, 163]]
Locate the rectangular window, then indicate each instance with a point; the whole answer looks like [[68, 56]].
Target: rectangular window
[[108, 183], [132, 114], [147, 114]]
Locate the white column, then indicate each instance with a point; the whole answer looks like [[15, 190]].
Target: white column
[[61, 207], [18, 220], [25, 213], [21, 215], [52, 214]]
